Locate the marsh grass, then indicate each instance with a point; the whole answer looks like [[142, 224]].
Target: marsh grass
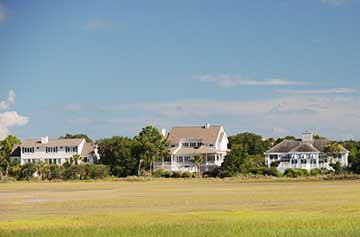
[[180, 208]]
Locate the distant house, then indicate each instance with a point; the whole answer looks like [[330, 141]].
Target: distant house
[[307, 153], [53, 151], [210, 142]]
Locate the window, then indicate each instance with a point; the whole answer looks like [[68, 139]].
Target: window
[[187, 159], [51, 149], [180, 159], [211, 145], [294, 161], [303, 161], [313, 161], [273, 157], [285, 158], [71, 149], [27, 149], [211, 158], [192, 144]]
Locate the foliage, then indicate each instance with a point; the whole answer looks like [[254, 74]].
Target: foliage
[[315, 172], [197, 159], [72, 136], [119, 154], [294, 173], [76, 159], [27, 171], [149, 145], [238, 161], [275, 164], [6, 146], [250, 143], [337, 167], [279, 140]]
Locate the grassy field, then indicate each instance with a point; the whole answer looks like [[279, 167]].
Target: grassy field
[[180, 208]]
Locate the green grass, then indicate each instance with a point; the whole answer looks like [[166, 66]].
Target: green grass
[[176, 207]]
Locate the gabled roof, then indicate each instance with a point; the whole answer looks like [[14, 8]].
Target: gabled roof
[[288, 146], [51, 142], [207, 135], [88, 149]]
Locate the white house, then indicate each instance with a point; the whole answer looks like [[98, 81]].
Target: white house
[[208, 141], [54, 151], [307, 153]]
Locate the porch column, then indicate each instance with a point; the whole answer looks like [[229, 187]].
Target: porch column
[[162, 160]]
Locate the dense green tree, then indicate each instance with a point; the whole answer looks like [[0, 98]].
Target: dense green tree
[[70, 136], [251, 143], [150, 144], [27, 171], [279, 140], [6, 146], [119, 154], [197, 159]]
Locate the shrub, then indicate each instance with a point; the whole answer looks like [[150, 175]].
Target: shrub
[[74, 172], [27, 171], [187, 174], [55, 172], [167, 174], [294, 173], [177, 174], [158, 172], [315, 172], [275, 164], [95, 171]]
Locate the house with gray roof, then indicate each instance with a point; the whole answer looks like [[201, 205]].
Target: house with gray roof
[[306, 153], [208, 141], [54, 151]]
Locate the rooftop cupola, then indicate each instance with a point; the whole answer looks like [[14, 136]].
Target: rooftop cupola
[[307, 136], [45, 140]]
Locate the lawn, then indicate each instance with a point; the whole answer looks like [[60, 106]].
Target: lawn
[[176, 207]]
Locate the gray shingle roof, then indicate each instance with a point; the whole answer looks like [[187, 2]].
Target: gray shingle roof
[[206, 135], [288, 146]]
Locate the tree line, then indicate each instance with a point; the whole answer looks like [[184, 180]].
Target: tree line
[[124, 156]]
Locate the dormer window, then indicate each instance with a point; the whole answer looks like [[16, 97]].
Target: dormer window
[[211, 145]]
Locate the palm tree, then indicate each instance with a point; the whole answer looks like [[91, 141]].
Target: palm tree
[[41, 168], [197, 159], [76, 158]]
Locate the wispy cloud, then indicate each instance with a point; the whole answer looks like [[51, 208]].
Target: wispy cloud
[[98, 24], [319, 91], [5, 104], [229, 81], [9, 119], [334, 3], [2, 12], [330, 115]]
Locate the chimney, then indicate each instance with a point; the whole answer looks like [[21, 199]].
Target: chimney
[[45, 140], [307, 136], [163, 132]]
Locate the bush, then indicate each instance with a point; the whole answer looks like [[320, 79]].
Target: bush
[[27, 171], [177, 174], [167, 174], [294, 173], [94, 171], [55, 172], [315, 172], [275, 164], [158, 172], [187, 174]]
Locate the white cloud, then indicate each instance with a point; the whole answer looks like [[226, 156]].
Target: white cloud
[[2, 12], [98, 24], [334, 3], [229, 81], [8, 120], [5, 104], [333, 116], [320, 91]]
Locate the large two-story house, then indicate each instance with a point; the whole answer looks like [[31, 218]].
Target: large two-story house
[[207, 141], [308, 153], [54, 151]]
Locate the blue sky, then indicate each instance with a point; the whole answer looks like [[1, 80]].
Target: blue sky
[[111, 67]]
